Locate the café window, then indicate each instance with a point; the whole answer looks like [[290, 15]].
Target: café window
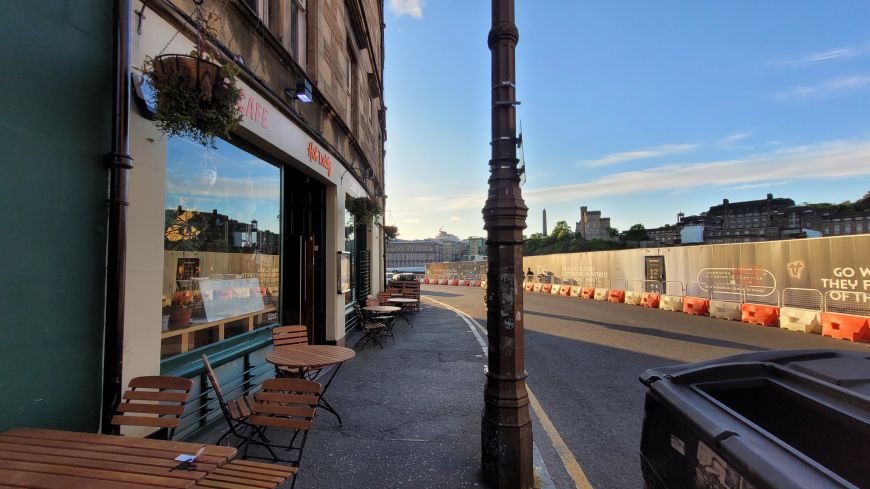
[[221, 253], [350, 247]]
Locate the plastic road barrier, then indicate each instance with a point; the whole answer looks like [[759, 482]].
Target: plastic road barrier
[[556, 288], [648, 299], [529, 286], [425, 281], [616, 296], [443, 281], [772, 419], [537, 287], [565, 290], [671, 303], [846, 327], [477, 283], [759, 314], [696, 306], [575, 290], [725, 310], [546, 288], [803, 320], [632, 297], [600, 294], [588, 293]]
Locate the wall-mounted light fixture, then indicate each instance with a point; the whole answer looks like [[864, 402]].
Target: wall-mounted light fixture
[[302, 91]]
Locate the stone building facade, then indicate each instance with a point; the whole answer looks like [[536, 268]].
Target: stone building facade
[[593, 226]]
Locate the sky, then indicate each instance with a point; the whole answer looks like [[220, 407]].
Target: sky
[[638, 109]]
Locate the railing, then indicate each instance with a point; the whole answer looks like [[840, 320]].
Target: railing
[[617, 284], [847, 302], [694, 289], [652, 286], [674, 287], [725, 293], [205, 404], [811, 299], [760, 294]]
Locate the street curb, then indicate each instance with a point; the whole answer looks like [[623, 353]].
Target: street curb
[[542, 475]]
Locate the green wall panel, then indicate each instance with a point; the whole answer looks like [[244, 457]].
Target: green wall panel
[[55, 90]]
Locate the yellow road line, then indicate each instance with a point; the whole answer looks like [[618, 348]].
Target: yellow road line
[[568, 460], [562, 449]]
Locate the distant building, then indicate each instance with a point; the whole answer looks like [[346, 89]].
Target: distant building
[[593, 226], [761, 220], [474, 248], [417, 253]]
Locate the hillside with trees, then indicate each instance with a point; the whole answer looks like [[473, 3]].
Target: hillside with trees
[[563, 240]]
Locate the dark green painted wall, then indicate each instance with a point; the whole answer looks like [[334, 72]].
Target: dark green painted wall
[[55, 109]]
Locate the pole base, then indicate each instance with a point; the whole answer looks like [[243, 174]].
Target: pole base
[[506, 456]]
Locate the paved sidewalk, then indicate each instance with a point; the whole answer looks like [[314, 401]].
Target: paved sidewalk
[[411, 412]]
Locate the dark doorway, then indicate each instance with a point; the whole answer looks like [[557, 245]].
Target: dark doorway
[[303, 272]]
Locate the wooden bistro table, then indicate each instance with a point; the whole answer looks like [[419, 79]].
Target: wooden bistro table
[[304, 356], [50, 459]]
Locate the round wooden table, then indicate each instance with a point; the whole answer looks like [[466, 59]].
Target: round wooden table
[[382, 309], [303, 357], [404, 301]]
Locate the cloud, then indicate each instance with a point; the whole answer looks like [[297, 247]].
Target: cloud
[[455, 218], [733, 138], [818, 57], [414, 8], [663, 150], [827, 160], [759, 185], [837, 86], [411, 220]]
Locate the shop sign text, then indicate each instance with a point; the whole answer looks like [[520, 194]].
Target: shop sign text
[[253, 110], [319, 157]]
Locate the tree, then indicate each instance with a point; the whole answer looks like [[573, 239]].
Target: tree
[[561, 231], [636, 233]]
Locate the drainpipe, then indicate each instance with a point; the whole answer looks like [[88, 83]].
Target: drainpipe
[[118, 162]]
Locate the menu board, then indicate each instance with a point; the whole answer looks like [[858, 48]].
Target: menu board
[[224, 298]]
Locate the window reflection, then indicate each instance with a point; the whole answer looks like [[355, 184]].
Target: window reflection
[[221, 245], [350, 247]]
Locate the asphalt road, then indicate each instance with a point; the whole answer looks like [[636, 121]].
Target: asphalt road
[[583, 358]]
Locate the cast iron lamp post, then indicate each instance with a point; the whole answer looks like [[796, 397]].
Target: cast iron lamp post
[[506, 429]]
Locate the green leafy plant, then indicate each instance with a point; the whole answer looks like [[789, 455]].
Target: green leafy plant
[[364, 209], [390, 233], [196, 98]]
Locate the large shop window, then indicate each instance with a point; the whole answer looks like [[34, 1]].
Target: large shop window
[[222, 243]]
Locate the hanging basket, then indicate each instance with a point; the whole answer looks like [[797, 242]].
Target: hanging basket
[[195, 74], [194, 97]]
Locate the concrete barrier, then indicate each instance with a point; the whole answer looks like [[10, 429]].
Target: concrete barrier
[[803, 320], [600, 295], [671, 303], [725, 310]]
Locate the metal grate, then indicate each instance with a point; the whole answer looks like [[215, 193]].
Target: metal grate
[[857, 303], [811, 299], [758, 294]]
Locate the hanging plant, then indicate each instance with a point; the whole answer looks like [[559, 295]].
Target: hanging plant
[[390, 233], [195, 97], [364, 209]]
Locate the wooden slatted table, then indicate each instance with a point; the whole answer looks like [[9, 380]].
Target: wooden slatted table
[[303, 356], [39, 458]]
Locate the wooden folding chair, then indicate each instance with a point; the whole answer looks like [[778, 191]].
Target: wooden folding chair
[[235, 411], [154, 401], [371, 330], [295, 334], [288, 404]]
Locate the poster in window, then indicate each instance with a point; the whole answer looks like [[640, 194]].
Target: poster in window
[[343, 272]]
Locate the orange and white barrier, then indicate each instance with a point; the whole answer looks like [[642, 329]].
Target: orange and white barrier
[[565, 290], [649, 299], [537, 287], [575, 290], [600, 294], [803, 320], [671, 303], [546, 288], [616, 296], [528, 286], [696, 306], [587, 293], [632, 297], [846, 326], [760, 314], [725, 310]]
